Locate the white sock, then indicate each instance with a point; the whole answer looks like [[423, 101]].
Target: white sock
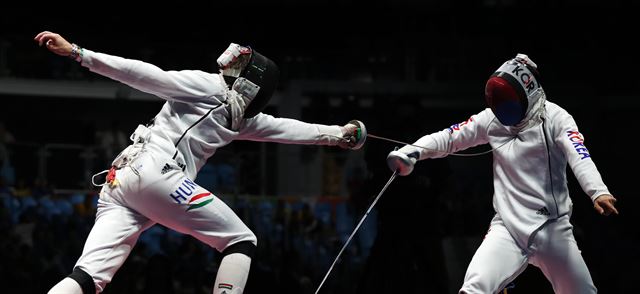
[[232, 274], [66, 286]]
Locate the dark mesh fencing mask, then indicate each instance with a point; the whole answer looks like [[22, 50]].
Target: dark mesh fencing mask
[[263, 72]]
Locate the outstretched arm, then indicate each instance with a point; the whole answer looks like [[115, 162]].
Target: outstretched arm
[[469, 133], [266, 128], [186, 86]]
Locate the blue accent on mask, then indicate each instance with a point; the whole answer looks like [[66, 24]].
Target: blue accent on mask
[[509, 113]]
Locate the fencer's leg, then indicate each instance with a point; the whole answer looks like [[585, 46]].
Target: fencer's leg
[[215, 224], [497, 262], [559, 258], [67, 286], [114, 233], [232, 274], [175, 201], [78, 282], [234, 268]]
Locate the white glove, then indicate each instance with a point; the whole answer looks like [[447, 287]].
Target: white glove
[[402, 163], [234, 59], [354, 134]]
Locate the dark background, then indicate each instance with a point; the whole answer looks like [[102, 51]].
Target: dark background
[[585, 51]]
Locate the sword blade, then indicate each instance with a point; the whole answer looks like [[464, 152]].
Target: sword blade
[[393, 176]]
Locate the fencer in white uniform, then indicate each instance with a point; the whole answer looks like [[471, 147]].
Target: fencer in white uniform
[[152, 180], [533, 139]]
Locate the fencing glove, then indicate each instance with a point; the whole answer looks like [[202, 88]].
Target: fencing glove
[[354, 134], [401, 162]]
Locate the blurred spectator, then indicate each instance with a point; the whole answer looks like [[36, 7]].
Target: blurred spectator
[[226, 177], [22, 189], [87, 208], [281, 219], [331, 176], [41, 188], [219, 174], [307, 224], [7, 198], [25, 227], [6, 189]]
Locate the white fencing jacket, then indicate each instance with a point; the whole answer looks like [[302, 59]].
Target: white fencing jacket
[[194, 121], [529, 167]]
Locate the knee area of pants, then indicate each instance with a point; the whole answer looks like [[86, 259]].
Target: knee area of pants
[[84, 279], [252, 238], [247, 248], [245, 236], [473, 287]]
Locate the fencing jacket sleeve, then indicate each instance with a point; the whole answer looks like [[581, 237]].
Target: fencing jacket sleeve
[[572, 143], [460, 136]]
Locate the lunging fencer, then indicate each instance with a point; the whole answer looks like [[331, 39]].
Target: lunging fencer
[[152, 180], [533, 139]]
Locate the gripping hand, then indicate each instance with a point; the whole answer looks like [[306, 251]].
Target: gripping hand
[[402, 163], [354, 134]]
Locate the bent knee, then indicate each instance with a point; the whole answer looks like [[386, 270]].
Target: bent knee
[[84, 280], [477, 286], [246, 236], [246, 247]]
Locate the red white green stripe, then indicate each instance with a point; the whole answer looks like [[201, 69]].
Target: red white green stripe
[[225, 286], [193, 203]]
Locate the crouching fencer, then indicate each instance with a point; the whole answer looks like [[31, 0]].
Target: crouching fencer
[[532, 139], [152, 180]]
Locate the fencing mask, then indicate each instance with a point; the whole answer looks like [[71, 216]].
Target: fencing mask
[[251, 75], [253, 79], [511, 92]]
